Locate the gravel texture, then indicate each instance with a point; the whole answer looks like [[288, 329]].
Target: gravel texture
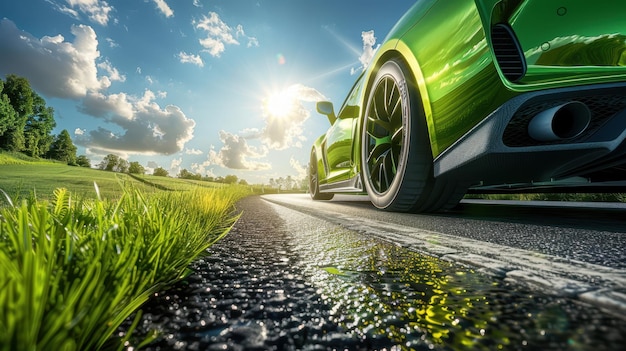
[[248, 294]]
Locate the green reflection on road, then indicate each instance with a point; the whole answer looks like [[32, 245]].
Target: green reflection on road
[[386, 295], [391, 292]]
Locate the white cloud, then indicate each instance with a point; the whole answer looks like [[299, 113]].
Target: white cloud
[[151, 166], [369, 41], [113, 106], [97, 10], [190, 58], [79, 131], [113, 73], [252, 41], [164, 8], [197, 3], [175, 166], [285, 130], [236, 154], [112, 43], [219, 34], [193, 152], [55, 67], [201, 168], [64, 9], [146, 127]]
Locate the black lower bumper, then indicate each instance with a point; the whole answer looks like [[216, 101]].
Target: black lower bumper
[[484, 157]]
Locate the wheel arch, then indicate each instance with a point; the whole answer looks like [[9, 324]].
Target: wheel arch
[[398, 49], [319, 154]]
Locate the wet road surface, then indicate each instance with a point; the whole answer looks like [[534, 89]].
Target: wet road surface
[[285, 280]]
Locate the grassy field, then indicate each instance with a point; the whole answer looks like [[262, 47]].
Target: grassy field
[[77, 260], [21, 177]]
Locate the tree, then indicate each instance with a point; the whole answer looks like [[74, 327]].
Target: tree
[[25, 120], [7, 113], [230, 179], [63, 149], [113, 163], [20, 97], [39, 125], [280, 182], [109, 162], [160, 172], [83, 161], [185, 174], [136, 168]]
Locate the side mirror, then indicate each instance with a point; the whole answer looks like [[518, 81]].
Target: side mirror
[[326, 108]]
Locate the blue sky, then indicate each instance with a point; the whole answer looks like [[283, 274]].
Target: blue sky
[[216, 87]]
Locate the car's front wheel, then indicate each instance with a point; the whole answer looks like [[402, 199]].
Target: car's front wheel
[[396, 157]]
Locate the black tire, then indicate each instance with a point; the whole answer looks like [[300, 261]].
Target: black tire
[[314, 188], [396, 157]]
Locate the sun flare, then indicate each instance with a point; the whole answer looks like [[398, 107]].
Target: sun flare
[[280, 105]]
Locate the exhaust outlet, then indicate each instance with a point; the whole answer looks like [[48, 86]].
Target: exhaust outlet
[[561, 122]]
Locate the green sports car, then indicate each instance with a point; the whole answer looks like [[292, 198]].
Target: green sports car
[[482, 96]]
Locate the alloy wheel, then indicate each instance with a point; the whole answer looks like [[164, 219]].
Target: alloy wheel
[[384, 137]]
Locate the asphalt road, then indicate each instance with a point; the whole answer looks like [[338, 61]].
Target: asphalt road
[[565, 249], [294, 274]]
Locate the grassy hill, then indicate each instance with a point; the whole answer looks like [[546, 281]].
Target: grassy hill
[[21, 176]]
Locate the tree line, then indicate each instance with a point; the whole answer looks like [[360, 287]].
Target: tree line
[[26, 124], [114, 163], [289, 183]]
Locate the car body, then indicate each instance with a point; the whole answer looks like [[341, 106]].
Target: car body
[[482, 96]]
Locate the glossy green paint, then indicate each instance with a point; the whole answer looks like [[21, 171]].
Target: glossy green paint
[[447, 45], [572, 42], [340, 140], [460, 84]]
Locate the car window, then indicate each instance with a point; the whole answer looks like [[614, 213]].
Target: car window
[[352, 100]]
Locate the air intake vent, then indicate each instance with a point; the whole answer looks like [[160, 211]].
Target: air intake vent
[[508, 52]]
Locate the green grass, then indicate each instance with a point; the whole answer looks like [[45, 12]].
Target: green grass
[[74, 267], [19, 158], [21, 180], [167, 183], [23, 177]]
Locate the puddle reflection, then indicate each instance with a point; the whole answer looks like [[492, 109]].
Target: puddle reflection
[[381, 291]]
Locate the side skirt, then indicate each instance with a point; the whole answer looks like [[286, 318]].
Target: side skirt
[[352, 185]]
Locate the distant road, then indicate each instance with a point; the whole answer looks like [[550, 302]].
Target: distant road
[[568, 249]]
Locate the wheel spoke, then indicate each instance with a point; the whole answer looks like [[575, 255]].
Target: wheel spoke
[[373, 122], [398, 136], [375, 174], [390, 97], [388, 170]]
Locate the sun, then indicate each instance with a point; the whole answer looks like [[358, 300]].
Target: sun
[[280, 104]]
